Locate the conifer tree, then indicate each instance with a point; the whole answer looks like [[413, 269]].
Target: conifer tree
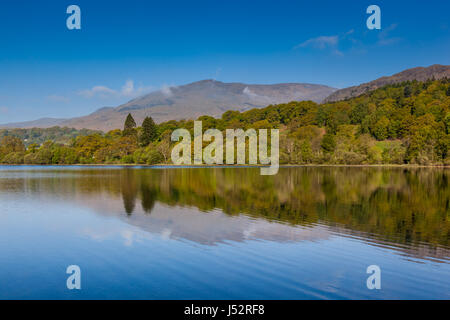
[[148, 131], [130, 126]]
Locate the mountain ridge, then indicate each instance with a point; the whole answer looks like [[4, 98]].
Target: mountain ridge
[[435, 71], [213, 98], [189, 101]]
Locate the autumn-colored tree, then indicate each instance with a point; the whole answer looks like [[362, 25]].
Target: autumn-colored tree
[[400, 123], [9, 144]]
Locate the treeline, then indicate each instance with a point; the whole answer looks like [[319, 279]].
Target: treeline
[[59, 135], [407, 123]]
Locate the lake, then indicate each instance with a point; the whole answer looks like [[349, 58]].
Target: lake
[[224, 233]]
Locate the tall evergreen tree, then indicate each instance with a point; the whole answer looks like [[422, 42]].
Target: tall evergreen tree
[[130, 126], [407, 91], [148, 131]]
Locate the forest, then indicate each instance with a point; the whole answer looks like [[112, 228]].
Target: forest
[[406, 123], [40, 135]]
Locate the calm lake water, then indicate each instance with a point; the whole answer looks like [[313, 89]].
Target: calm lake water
[[224, 233]]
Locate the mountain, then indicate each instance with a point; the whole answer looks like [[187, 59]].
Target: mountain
[[211, 97], [207, 97], [435, 71], [39, 123]]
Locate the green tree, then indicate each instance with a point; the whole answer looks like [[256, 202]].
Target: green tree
[[149, 131], [130, 126], [380, 129], [414, 116], [9, 144], [32, 148], [328, 143], [407, 91], [447, 122], [358, 113], [14, 158]]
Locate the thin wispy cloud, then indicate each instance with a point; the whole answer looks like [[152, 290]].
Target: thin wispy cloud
[[218, 71], [128, 90], [328, 42], [342, 43], [166, 90], [57, 98], [384, 37], [98, 91], [250, 93], [321, 42], [256, 96]]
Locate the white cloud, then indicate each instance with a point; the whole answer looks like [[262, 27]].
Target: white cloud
[[249, 92], [331, 43], [128, 90], [256, 96], [166, 91], [351, 41], [321, 42], [100, 91], [350, 32]]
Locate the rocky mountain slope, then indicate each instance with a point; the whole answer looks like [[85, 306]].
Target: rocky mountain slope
[[420, 74]]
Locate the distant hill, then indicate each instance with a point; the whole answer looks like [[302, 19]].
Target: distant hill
[[420, 74], [40, 135], [207, 97], [39, 123]]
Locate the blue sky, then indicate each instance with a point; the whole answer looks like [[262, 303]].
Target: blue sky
[[127, 48]]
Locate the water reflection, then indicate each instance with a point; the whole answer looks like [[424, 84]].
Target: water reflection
[[405, 208]]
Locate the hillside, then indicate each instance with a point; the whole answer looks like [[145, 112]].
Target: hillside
[[39, 123], [406, 123], [420, 74], [207, 97], [40, 135], [213, 98]]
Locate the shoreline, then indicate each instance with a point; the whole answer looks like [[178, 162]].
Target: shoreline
[[228, 165]]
